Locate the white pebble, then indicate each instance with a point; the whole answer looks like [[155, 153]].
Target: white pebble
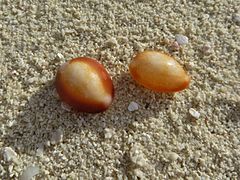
[[172, 156], [10, 168], [108, 133], [57, 136], [59, 56], [133, 106], [29, 173], [11, 123], [194, 113], [9, 154], [181, 39]]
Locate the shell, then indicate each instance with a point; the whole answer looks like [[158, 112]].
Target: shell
[[159, 72], [85, 85]]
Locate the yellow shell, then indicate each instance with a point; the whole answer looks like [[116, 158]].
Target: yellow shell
[[159, 72]]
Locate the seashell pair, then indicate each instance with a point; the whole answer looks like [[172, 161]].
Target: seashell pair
[[84, 84]]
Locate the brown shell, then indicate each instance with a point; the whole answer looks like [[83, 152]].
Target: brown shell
[[85, 85]]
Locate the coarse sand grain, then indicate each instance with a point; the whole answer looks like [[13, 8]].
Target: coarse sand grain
[[161, 140]]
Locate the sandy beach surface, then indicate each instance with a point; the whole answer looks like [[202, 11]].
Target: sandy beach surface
[[193, 134]]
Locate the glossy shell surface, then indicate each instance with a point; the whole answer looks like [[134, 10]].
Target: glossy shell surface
[[84, 84], [159, 72]]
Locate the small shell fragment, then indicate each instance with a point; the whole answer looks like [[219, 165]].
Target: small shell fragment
[[9, 154], [172, 156], [194, 113], [181, 39], [29, 173], [133, 106], [59, 56]]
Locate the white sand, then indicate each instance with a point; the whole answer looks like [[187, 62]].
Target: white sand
[[160, 140]]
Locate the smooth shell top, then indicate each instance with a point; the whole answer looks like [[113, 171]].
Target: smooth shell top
[[159, 72]]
